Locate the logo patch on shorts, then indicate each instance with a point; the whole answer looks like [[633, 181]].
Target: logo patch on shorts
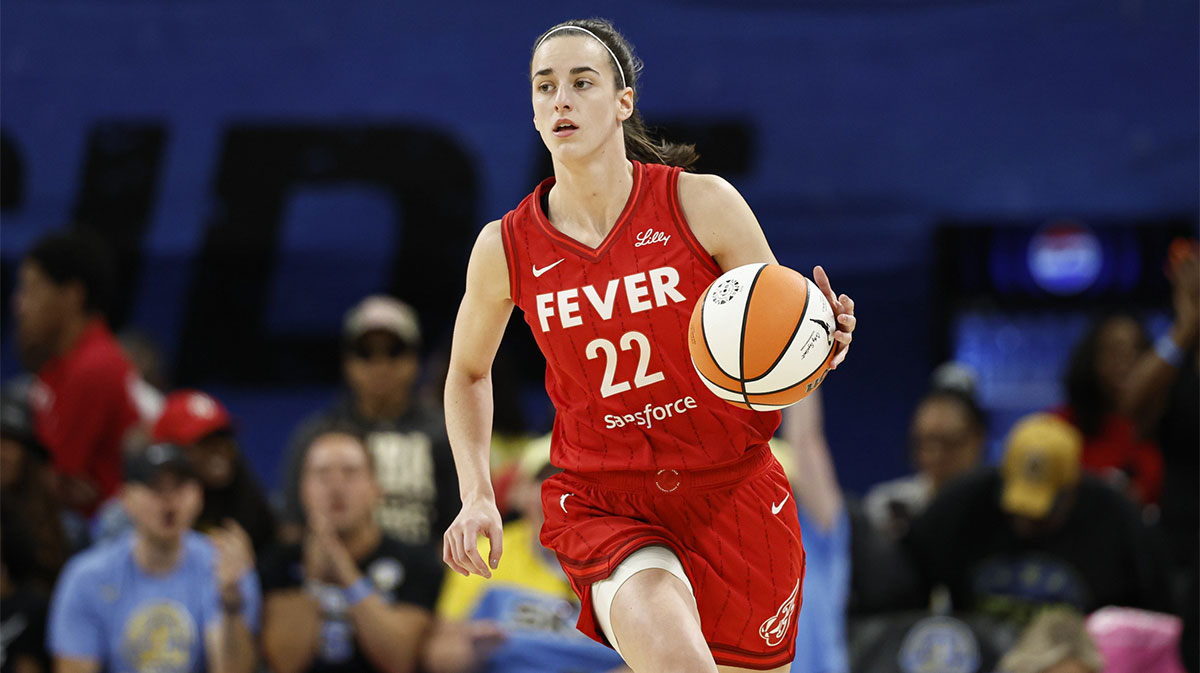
[[775, 629]]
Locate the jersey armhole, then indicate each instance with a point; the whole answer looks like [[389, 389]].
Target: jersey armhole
[[510, 253], [685, 229]]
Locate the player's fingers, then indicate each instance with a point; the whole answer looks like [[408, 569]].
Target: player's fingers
[[840, 357], [822, 280], [451, 555], [848, 322], [473, 560], [495, 537], [847, 303]]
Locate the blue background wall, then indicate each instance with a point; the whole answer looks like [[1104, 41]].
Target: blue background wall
[[865, 124]]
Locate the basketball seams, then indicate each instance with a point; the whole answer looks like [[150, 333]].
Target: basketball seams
[[742, 337], [795, 330]]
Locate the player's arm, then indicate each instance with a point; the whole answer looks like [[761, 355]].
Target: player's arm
[[724, 224], [482, 317]]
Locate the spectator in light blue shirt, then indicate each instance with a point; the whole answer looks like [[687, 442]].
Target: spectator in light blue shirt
[[161, 598]]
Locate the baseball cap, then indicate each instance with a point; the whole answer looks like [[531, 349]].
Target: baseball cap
[[189, 416], [143, 466], [1041, 458], [381, 312]]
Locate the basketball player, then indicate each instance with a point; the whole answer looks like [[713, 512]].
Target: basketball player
[[673, 522]]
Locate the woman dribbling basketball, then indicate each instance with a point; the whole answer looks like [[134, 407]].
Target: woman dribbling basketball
[[672, 519]]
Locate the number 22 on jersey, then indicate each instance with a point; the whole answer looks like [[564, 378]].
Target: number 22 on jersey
[[641, 378]]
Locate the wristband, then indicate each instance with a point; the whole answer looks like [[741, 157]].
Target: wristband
[[1169, 351], [358, 592]]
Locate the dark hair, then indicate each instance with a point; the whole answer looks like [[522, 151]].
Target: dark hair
[[975, 415], [78, 256], [1085, 395], [639, 144], [338, 427]]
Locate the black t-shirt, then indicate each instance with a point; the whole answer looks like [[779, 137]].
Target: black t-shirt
[[413, 463], [23, 629], [400, 573], [1102, 555]]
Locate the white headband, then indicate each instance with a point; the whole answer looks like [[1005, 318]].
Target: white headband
[[602, 44]]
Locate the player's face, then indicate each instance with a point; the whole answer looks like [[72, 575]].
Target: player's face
[[338, 485], [944, 443], [578, 104], [164, 510]]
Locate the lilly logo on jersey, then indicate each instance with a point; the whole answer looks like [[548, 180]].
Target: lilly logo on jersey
[[651, 236], [642, 292], [651, 413]]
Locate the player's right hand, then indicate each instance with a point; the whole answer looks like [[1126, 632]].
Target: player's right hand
[[460, 544]]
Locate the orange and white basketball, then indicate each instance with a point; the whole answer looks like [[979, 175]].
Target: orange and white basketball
[[761, 337]]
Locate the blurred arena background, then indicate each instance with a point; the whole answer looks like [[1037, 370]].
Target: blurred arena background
[[260, 166], [983, 178]]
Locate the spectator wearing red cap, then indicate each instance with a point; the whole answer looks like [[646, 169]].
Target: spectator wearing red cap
[[406, 437], [202, 425]]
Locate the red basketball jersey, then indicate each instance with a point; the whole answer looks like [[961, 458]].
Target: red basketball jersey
[[612, 323]]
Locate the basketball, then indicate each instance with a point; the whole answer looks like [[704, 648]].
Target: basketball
[[761, 336]]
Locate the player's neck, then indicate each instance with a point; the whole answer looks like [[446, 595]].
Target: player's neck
[[157, 557], [589, 196]]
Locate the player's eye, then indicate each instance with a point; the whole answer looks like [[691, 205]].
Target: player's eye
[[545, 87], [582, 84]]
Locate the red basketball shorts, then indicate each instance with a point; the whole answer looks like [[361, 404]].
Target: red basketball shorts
[[734, 528]]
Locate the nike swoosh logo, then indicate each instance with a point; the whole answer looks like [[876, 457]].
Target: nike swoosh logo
[[562, 502], [538, 272], [775, 509]]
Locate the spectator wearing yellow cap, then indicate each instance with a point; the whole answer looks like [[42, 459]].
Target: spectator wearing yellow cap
[[1034, 531]]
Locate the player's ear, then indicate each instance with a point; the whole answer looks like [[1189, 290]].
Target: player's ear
[[625, 104]]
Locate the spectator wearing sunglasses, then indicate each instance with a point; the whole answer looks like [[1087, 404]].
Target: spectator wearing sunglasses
[[406, 437]]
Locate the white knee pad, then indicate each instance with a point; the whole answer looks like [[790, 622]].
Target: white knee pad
[[603, 592]]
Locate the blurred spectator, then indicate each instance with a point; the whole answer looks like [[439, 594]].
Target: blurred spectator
[[821, 624], [83, 394], [1099, 368], [947, 440], [1136, 641], [406, 437], [22, 604], [163, 597], [202, 426], [27, 501], [1164, 394], [1055, 642], [146, 357], [522, 620], [1008, 541], [348, 597]]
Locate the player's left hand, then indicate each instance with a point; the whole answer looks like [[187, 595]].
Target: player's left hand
[[843, 310]]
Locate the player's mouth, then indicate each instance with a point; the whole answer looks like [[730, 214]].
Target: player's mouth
[[564, 127]]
